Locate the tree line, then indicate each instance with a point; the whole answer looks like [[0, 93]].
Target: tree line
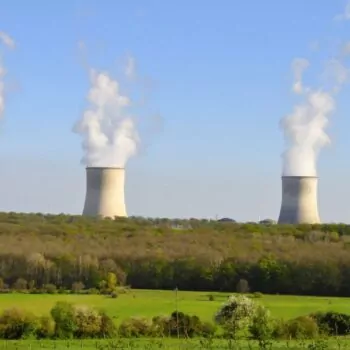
[[67, 251]]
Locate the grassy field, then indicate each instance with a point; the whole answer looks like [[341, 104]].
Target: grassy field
[[192, 344], [151, 303]]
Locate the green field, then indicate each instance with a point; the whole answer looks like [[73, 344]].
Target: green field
[[191, 344], [149, 303]]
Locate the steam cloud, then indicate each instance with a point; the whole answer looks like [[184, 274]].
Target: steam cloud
[[109, 134], [299, 65], [304, 128], [6, 40]]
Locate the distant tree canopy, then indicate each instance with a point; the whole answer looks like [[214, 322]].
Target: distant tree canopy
[[39, 250]]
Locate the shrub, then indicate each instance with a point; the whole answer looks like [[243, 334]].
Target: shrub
[[183, 325], [93, 291], [63, 315], [303, 327], [280, 330], [80, 322], [332, 323], [114, 295], [17, 324], [257, 295], [211, 297], [46, 328], [111, 281], [236, 314], [161, 325], [88, 322], [108, 328], [207, 330], [261, 327], [122, 290], [49, 288], [136, 327], [77, 287], [20, 284]]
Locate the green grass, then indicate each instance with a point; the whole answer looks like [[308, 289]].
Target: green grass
[[191, 344], [151, 303]]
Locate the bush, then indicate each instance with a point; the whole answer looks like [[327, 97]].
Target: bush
[[257, 295], [80, 322], [108, 328], [17, 324], [63, 315], [332, 323], [46, 328], [261, 327], [94, 291], [161, 325], [183, 325], [20, 284], [122, 290], [207, 330], [211, 297], [114, 295], [236, 314], [88, 322], [136, 327], [49, 288], [77, 287], [303, 327]]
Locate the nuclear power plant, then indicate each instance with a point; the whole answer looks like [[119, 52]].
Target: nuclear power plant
[[105, 192], [299, 200]]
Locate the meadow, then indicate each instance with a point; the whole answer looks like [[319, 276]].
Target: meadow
[[192, 344], [149, 303]]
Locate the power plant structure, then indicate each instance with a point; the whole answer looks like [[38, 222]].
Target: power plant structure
[[299, 200], [105, 192]]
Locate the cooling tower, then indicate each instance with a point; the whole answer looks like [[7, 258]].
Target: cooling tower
[[104, 192], [299, 200]]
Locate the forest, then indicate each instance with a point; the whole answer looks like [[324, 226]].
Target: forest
[[68, 251]]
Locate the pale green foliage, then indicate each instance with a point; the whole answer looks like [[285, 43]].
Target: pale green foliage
[[88, 321], [17, 324], [136, 327], [111, 281], [236, 314], [262, 325]]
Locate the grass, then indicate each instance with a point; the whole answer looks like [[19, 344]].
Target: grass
[[149, 303], [192, 344]]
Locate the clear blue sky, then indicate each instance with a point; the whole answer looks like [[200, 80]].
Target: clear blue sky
[[221, 81]]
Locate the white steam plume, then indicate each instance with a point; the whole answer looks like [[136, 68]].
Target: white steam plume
[[305, 135], [130, 68], [336, 73], [6, 40], [299, 65], [304, 128], [108, 131]]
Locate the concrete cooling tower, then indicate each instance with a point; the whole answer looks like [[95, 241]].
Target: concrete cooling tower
[[299, 200], [104, 192]]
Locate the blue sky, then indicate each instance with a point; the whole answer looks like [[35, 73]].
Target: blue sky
[[219, 76]]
